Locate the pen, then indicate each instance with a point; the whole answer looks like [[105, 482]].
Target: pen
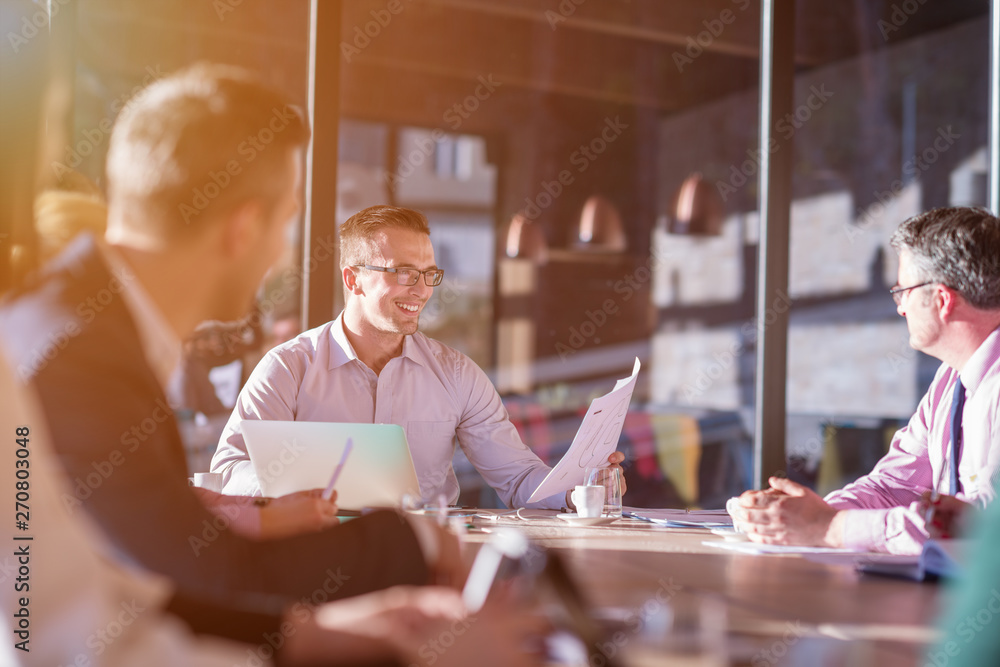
[[328, 492], [935, 495], [929, 512], [639, 517]]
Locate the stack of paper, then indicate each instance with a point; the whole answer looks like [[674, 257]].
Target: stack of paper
[[679, 518], [938, 558], [595, 440], [754, 548]]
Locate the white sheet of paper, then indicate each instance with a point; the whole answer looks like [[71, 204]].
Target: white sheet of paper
[[595, 440], [680, 518], [759, 549], [718, 515]]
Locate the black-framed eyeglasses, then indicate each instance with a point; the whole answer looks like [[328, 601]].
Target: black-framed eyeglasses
[[897, 291], [408, 276]]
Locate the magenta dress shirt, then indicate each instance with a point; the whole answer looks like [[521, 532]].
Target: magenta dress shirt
[[883, 505]]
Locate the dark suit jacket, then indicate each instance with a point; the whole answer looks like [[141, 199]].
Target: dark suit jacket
[[71, 332]]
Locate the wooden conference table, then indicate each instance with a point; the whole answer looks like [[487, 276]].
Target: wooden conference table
[[780, 609]]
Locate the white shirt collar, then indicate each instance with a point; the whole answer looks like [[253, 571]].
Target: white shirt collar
[[159, 343], [411, 349]]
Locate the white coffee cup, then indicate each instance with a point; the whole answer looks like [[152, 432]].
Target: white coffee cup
[[589, 500], [209, 480]]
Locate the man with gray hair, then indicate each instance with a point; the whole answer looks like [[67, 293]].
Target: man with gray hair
[[947, 456]]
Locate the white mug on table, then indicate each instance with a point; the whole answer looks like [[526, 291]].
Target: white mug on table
[[589, 500]]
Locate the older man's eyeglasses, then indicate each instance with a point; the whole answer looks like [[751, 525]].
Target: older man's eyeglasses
[[407, 276], [897, 292]]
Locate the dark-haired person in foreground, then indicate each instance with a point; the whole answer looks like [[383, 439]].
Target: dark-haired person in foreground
[[203, 176], [78, 607], [949, 293]]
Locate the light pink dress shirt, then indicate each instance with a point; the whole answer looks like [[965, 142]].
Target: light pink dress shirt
[[883, 505], [434, 392]]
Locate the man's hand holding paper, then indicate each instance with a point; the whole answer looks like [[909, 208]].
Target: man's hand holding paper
[[595, 442]]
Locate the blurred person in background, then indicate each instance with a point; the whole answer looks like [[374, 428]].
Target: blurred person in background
[[61, 215], [97, 333], [89, 610]]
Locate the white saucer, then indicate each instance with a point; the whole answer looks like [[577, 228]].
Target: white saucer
[[587, 520]]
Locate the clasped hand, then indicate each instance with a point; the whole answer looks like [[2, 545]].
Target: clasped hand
[[786, 513]]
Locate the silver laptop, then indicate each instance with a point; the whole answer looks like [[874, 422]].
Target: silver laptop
[[297, 456]]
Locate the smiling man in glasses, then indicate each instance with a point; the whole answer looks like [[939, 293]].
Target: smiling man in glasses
[[949, 293], [371, 365]]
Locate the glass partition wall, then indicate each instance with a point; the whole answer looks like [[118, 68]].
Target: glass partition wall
[[589, 208], [899, 126], [590, 172]]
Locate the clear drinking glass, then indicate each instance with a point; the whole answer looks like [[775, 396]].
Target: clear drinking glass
[[610, 477]]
